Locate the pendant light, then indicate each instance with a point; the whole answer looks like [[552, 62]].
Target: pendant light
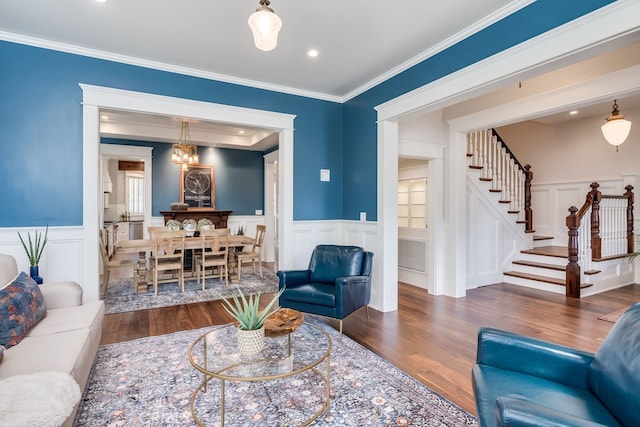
[[265, 25], [185, 152], [617, 128]]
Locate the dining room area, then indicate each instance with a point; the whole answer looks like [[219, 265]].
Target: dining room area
[[204, 216], [185, 262]]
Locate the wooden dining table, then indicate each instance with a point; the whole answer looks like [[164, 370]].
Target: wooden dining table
[[144, 246]]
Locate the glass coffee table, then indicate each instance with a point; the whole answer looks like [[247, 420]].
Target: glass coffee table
[[299, 354]]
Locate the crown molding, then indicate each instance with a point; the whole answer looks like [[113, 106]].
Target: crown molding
[[451, 41], [129, 60]]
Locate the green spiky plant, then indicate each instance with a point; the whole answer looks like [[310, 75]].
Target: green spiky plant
[[36, 246], [245, 310]]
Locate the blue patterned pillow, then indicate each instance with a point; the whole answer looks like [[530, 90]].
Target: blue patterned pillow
[[21, 307]]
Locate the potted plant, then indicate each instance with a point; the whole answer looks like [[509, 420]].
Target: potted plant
[[250, 320], [34, 252]]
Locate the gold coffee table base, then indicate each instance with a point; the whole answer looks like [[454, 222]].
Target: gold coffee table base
[[203, 386], [215, 355]]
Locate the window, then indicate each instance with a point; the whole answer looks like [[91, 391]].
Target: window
[[412, 195], [135, 193]]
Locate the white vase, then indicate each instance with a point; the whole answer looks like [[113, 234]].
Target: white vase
[[251, 342]]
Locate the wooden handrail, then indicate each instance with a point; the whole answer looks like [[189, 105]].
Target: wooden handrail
[[528, 174], [573, 221], [504, 144]]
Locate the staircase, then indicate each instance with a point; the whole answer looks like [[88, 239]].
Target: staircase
[[535, 262], [542, 267]]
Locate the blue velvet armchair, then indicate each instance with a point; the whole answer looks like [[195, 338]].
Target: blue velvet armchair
[[337, 282], [520, 381]]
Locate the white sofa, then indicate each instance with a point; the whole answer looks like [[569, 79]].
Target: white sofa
[[66, 340]]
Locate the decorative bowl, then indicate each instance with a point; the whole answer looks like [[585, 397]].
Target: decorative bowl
[[283, 321]]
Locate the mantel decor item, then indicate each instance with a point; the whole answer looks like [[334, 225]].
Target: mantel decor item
[[250, 320], [179, 206], [34, 251], [198, 187]]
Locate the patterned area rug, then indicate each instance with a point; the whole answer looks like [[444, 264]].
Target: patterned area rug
[[614, 315], [149, 382], [121, 297]]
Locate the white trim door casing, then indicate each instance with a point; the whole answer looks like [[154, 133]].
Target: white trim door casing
[[96, 97], [137, 153]]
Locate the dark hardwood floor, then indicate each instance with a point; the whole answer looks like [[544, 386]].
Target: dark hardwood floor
[[433, 339]]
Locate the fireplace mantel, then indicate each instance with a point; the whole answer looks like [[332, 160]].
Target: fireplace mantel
[[218, 218]]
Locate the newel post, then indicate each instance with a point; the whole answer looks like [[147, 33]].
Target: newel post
[[629, 195], [528, 213], [596, 240], [573, 268]]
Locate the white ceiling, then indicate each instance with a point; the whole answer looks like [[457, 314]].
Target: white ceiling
[[359, 42]]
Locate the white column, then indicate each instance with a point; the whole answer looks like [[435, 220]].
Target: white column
[[91, 202], [384, 292]]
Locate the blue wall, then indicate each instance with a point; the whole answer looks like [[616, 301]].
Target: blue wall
[[239, 176], [41, 120]]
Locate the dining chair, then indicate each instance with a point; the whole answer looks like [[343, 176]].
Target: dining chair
[[152, 229], [255, 255], [168, 256], [214, 255], [108, 265]]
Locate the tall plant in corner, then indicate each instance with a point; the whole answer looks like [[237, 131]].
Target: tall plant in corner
[[34, 251]]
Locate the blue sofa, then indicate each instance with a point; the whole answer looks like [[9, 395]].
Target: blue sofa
[[337, 282], [520, 381]]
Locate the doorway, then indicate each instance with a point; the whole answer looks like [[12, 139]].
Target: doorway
[[95, 98]]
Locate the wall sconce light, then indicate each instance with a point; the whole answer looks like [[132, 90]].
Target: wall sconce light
[[617, 128], [265, 25]]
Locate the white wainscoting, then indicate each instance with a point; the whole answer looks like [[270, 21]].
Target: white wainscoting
[[493, 236], [550, 203], [63, 255], [61, 260], [308, 234]]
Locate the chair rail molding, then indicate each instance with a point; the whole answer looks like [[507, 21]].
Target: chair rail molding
[[63, 256]]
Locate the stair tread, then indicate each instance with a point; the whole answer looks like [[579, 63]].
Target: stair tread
[[553, 281], [541, 265], [557, 251], [537, 277]]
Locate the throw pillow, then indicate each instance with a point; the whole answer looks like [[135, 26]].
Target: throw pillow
[[21, 308]]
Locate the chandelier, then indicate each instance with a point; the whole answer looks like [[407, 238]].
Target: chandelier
[[185, 153], [617, 128], [265, 25]]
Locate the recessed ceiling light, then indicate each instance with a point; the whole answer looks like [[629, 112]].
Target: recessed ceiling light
[[101, 1], [241, 132], [574, 112], [104, 117], [312, 53]]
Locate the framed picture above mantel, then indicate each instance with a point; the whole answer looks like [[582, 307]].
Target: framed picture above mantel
[[198, 187]]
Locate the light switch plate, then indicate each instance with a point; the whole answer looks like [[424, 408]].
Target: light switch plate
[[363, 216], [325, 175]]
